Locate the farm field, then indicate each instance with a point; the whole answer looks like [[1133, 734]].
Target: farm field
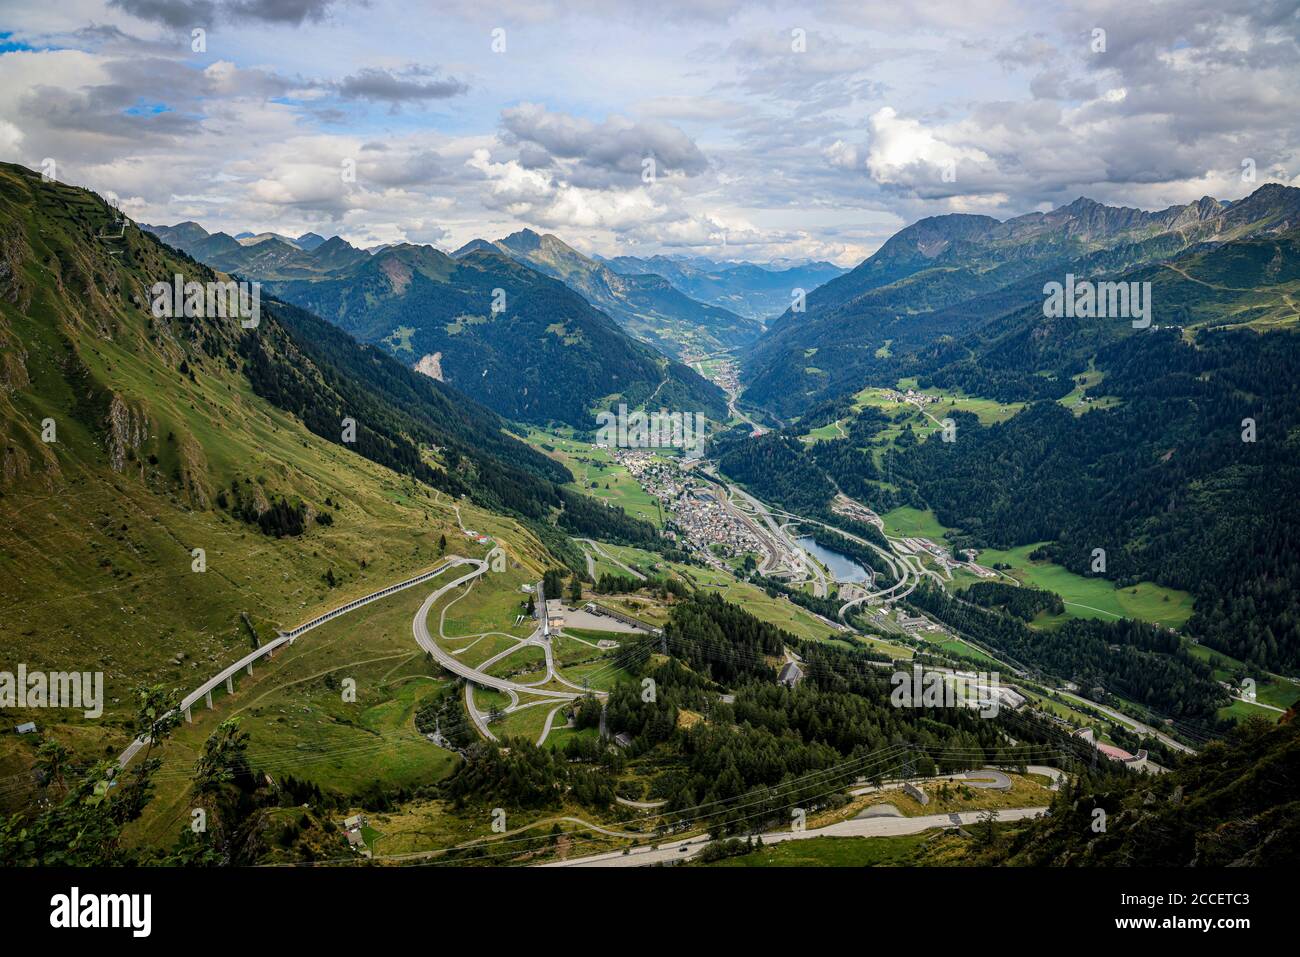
[[907, 522], [987, 410]]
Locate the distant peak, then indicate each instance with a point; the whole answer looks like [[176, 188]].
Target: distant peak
[[523, 239], [474, 245]]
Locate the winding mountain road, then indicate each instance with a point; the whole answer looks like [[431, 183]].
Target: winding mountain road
[[883, 826], [227, 674]]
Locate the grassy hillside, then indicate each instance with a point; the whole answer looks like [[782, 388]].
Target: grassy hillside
[[174, 435]]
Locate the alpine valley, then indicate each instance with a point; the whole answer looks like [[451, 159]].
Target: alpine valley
[[361, 574]]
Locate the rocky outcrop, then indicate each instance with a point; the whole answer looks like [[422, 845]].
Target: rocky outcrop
[[23, 458], [13, 252], [13, 367], [127, 431], [194, 474], [431, 365]]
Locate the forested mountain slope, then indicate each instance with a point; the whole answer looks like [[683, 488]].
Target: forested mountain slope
[[1233, 805], [948, 276], [647, 305], [536, 351], [1175, 448]]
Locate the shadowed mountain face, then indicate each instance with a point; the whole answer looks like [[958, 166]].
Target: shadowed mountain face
[[948, 276], [648, 306], [754, 291], [524, 345]]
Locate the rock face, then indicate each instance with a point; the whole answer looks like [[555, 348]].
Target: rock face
[[431, 365], [127, 431], [13, 368], [17, 466], [193, 469], [13, 251]]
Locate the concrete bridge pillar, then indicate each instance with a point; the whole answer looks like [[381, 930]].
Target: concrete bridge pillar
[[188, 718], [209, 699], [230, 684], [250, 668]]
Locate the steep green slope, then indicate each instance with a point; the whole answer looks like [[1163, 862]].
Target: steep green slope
[[1233, 805], [168, 435]]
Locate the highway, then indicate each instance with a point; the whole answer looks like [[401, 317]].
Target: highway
[[882, 826], [420, 629], [226, 675], [1132, 723]]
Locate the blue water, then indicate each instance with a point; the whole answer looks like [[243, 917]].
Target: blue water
[[842, 568]]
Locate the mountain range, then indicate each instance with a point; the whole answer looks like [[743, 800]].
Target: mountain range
[[945, 277], [683, 306], [758, 292], [503, 333]]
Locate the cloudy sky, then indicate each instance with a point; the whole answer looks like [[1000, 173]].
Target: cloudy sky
[[757, 130]]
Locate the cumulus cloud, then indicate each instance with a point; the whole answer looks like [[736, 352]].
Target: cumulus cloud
[[905, 152], [822, 148], [537, 195], [843, 155]]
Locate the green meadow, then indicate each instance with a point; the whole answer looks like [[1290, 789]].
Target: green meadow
[[1093, 597]]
